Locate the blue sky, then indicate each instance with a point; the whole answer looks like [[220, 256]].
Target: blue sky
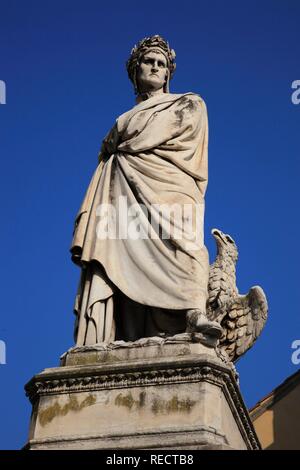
[[63, 65]]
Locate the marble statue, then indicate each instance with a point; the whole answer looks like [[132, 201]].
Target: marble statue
[[154, 156], [138, 235]]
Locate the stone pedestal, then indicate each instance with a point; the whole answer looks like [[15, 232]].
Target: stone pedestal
[[151, 394]]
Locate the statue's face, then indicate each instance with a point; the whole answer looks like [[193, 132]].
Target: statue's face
[[152, 72]]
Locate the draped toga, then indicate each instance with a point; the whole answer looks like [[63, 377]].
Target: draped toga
[[154, 157]]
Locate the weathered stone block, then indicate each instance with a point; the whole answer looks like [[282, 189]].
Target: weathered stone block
[[156, 394]]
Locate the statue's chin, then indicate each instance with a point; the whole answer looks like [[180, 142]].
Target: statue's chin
[[151, 86]]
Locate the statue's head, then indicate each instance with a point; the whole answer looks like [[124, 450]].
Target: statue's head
[[151, 65]]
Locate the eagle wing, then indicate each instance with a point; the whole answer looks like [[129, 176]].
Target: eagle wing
[[244, 322]]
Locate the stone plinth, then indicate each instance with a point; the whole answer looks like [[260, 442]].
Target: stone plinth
[[151, 394]]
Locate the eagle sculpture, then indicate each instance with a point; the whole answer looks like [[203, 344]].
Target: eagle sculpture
[[242, 317]]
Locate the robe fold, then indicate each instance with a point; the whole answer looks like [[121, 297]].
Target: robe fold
[[154, 157]]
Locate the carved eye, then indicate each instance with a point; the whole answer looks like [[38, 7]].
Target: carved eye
[[229, 240]]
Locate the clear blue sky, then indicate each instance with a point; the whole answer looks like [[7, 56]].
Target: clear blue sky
[[63, 65]]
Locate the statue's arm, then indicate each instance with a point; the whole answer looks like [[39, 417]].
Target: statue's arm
[[109, 144]]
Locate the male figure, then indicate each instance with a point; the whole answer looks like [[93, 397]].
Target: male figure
[[155, 159]]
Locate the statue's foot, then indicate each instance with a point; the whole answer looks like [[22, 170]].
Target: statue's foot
[[197, 321]]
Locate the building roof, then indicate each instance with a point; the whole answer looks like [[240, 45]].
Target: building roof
[[277, 394]]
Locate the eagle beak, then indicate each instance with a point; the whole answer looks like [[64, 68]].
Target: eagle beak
[[217, 233]]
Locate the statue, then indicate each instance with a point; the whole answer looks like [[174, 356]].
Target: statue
[[157, 329], [242, 317], [138, 235]]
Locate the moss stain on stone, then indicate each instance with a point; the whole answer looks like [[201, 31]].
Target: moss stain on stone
[[111, 357], [49, 413], [85, 359], [128, 401], [124, 400], [189, 105], [175, 405], [156, 406], [142, 399]]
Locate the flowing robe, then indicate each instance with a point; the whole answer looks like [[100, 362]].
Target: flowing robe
[[154, 157]]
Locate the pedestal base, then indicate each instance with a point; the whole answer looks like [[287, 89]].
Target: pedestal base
[[151, 394]]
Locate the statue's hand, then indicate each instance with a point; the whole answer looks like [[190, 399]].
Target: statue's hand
[[109, 144]]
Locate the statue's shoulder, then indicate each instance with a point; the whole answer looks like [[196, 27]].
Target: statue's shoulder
[[190, 96], [189, 100], [192, 102], [193, 97]]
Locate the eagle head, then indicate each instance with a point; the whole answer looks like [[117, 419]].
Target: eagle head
[[225, 244]]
